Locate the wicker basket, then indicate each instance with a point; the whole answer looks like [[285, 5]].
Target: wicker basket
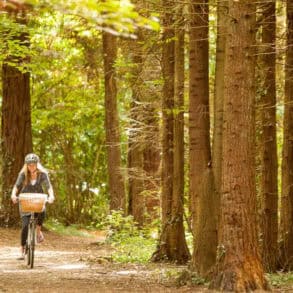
[[32, 202]]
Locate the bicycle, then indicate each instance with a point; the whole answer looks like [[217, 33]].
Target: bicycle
[[32, 203]]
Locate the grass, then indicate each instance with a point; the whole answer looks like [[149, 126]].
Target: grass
[[280, 279], [72, 230], [129, 247], [135, 249]]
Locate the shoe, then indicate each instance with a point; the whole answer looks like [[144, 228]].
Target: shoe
[[40, 238], [21, 257], [22, 253]]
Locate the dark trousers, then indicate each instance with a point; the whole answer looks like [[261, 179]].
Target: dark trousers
[[25, 222]]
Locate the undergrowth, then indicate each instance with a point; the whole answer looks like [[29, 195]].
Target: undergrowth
[[281, 279], [132, 244], [72, 230]]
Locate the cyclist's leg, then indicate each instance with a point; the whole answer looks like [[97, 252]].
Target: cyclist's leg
[[40, 221], [24, 232]]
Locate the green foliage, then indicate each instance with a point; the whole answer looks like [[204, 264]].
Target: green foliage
[[62, 49], [131, 243], [14, 46], [73, 230], [118, 226], [180, 276], [115, 16], [134, 249], [189, 238], [281, 279], [68, 117]]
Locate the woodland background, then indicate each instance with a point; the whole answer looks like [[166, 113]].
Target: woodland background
[[177, 114]]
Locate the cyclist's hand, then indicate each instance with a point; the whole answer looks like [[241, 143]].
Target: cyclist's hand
[[51, 199], [14, 199]]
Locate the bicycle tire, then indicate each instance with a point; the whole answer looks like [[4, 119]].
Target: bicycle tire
[[27, 256], [32, 245], [27, 247]]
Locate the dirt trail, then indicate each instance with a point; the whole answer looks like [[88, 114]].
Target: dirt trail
[[74, 264], [81, 264]]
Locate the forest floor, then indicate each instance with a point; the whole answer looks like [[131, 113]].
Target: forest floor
[[76, 264], [81, 264]]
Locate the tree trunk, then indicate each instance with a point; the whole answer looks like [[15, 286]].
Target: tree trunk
[[217, 149], [178, 181], [269, 163], [135, 139], [152, 159], [16, 129], [238, 262], [286, 225], [116, 181], [172, 246], [71, 190], [202, 198], [149, 68], [178, 175]]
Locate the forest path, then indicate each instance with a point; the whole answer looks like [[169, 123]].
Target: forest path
[[75, 264]]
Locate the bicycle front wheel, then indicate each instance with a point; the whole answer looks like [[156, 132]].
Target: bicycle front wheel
[[27, 247], [31, 245]]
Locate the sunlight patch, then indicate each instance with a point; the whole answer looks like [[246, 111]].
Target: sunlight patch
[[71, 267], [126, 273]]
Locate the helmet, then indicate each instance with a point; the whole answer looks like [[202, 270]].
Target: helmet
[[31, 159]]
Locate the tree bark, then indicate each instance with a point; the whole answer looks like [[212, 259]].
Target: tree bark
[[238, 262], [286, 224], [135, 138], [71, 190], [152, 159], [116, 180], [172, 245], [217, 146], [144, 142], [269, 161], [202, 198], [16, 130], [178, 167], [178, 190]]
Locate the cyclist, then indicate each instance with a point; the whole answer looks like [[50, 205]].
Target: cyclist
[[33, 178]]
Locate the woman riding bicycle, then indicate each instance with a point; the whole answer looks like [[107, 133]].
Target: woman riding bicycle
[[33, 178]]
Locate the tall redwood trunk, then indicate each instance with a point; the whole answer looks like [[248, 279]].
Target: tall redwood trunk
[[286, 225], [178, 181], [116, 180], [136, 144], [16, 132], [178, 156], [217, 149], [172, 245], [239, 266], [269, 161], [200, 177], [152, 159]]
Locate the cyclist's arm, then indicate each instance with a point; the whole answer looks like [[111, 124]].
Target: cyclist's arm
[[51, 195], [49, 188], [13, 194], [17, 187]]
